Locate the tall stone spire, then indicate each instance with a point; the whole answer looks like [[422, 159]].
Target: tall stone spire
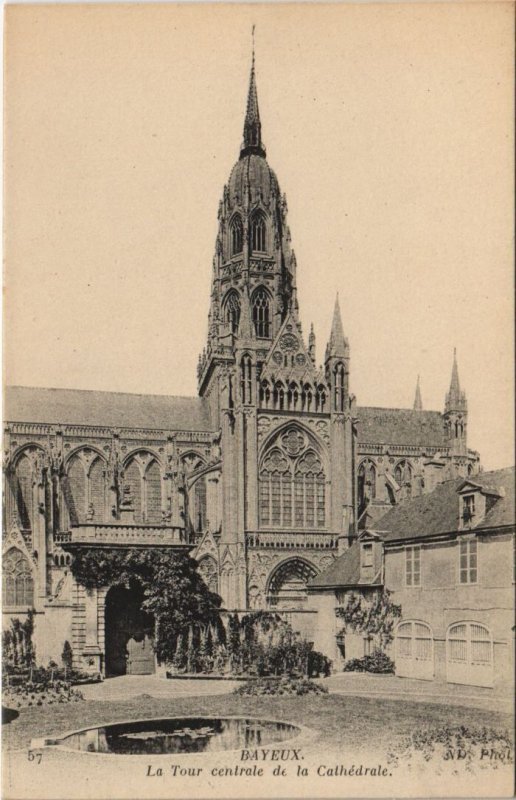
[[418, 403], [252, 126], [338, 344], [455, 398]]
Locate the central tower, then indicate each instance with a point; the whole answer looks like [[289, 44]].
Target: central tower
[[254, 267], [286, 433]]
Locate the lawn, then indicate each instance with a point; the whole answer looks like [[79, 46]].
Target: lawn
[[342, 723]]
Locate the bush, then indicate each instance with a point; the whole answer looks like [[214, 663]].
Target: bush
[[436, 744], [17, 676], [376, 662], [39, 694], [67, 655], [284, 686]]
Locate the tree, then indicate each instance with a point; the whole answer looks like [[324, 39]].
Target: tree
[[67, 655], [175, 593], [233, 640], [179, 660], [376, 619], [29, 651]]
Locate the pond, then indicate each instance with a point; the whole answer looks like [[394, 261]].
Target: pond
[[179, 735]]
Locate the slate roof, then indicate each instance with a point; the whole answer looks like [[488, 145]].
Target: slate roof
[[345, 571], [400, 426], [105, 409], [438, 512]]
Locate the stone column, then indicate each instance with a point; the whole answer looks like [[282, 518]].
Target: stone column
[[92, 652]]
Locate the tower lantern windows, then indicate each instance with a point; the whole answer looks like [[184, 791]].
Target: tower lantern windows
[[232, 311], [261, 313], [236, 235], [258, 233]]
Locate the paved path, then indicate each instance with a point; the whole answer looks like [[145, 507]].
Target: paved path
[[390, 686], [347, 683], [128, 686]]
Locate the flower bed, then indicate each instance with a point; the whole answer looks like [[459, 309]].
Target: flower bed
[[39, 694], [454, 746], [40, 675], [282, 686]]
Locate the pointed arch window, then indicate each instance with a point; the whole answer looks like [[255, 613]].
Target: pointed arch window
[[246, 379], [292, 490], [258, 233], [232, 311], [142, 476], [236, 235], [199, 502], [403, 476], [261, 313], [339, 388], [18, 583], [23, 492], [84, 489], [320, 398], [366, 484]]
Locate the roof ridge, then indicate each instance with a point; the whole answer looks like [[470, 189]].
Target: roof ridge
[[103, 391], [397, 408]]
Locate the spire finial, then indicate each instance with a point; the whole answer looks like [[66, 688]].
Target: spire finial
[[252, 127], [337, 346], [455, 384], [418, 403], [455, 398]]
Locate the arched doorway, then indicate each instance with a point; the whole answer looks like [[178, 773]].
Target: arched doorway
[[129, 632], [287, 584], [415, 650], [469, 654]]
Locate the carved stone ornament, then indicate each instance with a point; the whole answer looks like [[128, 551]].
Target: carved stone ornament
[[289, 343], [293, 441]]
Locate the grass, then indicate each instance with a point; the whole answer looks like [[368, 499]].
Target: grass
[[342, 723]]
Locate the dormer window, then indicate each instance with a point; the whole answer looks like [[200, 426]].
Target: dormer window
[[367, 555], [468, 508]]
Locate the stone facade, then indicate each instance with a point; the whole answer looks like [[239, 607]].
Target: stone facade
[[265, 477], [448, 559]]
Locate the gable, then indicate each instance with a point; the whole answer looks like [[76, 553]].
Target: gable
[[288, 359]]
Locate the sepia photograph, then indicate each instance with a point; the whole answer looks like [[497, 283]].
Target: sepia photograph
[[258, 401]]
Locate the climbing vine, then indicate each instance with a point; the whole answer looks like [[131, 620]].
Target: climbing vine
[[376, 619], [174, 591]]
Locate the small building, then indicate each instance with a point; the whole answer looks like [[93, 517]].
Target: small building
[[448, 559]]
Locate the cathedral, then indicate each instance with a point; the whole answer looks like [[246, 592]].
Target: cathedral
[[264, 478]]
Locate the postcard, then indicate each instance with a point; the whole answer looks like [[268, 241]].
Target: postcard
[[259, 521]]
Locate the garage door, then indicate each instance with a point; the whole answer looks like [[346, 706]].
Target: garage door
[[469, 654], [414, 651]]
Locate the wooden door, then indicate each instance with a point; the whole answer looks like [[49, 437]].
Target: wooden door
[[140, 656]]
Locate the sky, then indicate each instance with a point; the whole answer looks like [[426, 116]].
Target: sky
[[390, 129]]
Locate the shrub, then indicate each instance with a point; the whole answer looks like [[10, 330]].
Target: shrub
[[284, 686], [38, 694], [67, 655], [376, 662], [455, 746]]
